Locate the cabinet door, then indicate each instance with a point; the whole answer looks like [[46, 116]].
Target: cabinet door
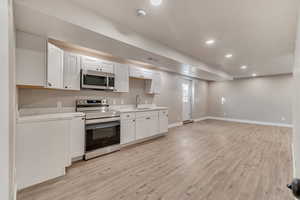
[[77, 136], [153, 125], [142, 129], [146, 127], [127, 131], [55, 67], [163, 121], [90, 63], [71, 71], [107, 67], [121, 78], [153, 85], [157, 84]]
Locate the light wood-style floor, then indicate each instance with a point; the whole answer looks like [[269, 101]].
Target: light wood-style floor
[[208, 160]]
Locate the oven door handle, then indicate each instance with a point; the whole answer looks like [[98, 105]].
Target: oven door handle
[[104, 125], [97, 121]]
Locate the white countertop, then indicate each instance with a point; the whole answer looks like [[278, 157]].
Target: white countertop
[[49, 117], [128, 110]]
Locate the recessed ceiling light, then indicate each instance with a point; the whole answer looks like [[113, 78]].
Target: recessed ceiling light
[[228, 55], [141, 12], [156, 2], [210, 42], [254, 74], [244, 67]]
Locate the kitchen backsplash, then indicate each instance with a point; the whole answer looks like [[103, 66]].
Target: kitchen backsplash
[[43, 98]]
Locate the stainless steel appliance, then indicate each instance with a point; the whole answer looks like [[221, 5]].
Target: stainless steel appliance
[[102, 127], [93, 79]]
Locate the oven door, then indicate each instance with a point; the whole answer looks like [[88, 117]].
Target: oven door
[[101, 135], [94, 80]]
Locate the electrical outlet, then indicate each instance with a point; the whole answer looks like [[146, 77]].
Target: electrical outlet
[[282, 118]]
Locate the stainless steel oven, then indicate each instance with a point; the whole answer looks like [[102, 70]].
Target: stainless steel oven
[[102, 136], [97, 80], [102, 127]]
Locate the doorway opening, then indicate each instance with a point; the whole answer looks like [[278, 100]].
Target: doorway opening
[[187, 101]]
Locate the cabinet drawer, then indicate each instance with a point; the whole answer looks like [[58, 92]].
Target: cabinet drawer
[[163, 113], [146, 114], [128, 116]]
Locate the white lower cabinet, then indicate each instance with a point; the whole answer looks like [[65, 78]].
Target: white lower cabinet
[[139, 126], [41, 149], [163, 121], [127, 131], [77, 137]]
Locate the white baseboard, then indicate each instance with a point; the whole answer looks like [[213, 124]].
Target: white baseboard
[[234, 120], [251, 122], [175, 124], [200, 119]]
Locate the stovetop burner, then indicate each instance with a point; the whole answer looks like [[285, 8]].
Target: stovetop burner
[[96, 109]]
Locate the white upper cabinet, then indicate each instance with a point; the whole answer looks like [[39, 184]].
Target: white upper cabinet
[[95, 64], [121, 78], [71, 71], [153, 86], [141, 73], [55, 67], [31, 59]]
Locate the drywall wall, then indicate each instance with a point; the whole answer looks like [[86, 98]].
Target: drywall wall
[[171, 96], [263, 99], [7, 105], [4, 102], [296, 104]]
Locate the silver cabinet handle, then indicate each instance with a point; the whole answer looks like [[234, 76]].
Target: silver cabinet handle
[[148, 118]]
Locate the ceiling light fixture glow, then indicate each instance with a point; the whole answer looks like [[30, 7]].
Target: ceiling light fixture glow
[[156, 2], [228, 55], [244, 67], [141, 12], [254, 75], [210, 42]]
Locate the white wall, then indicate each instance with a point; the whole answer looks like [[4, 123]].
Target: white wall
[[6, 124], [263, 99], [296, 104]]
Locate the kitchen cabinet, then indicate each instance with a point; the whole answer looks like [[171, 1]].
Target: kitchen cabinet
[[95, 64], [163, 121], [77, 137], [31, 56], [128, 131], [41, 150], [121, 78], [55, 63], [146, 125], [141, 73], [153, 86], [71, 71]]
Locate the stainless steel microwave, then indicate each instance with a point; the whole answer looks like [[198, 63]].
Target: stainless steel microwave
[[97, 80]]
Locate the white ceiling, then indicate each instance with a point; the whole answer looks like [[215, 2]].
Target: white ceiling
[[259, 33]]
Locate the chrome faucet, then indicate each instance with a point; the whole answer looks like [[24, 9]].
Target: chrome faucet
[[137, 100]]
